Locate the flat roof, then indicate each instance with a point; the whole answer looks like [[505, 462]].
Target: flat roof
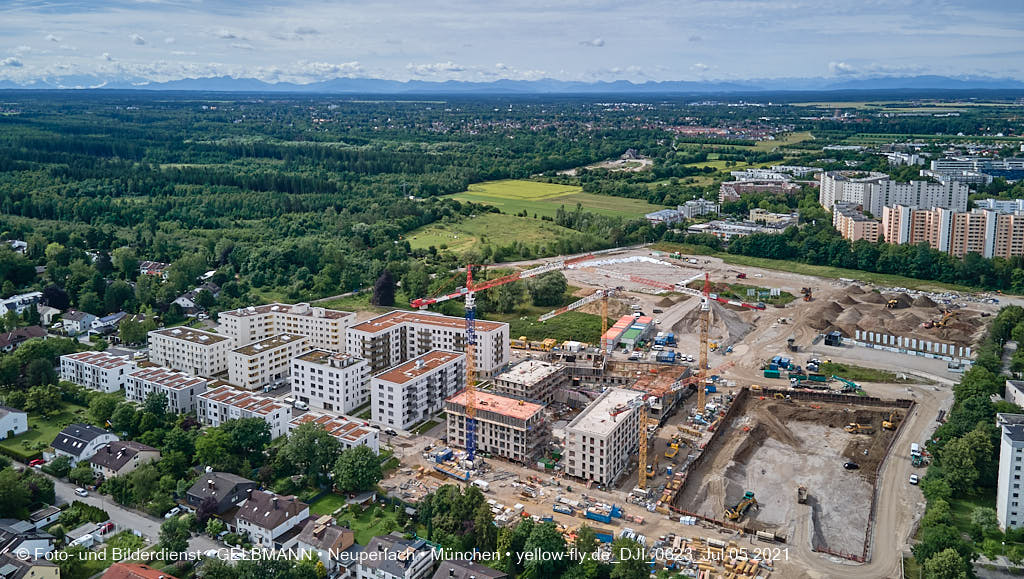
[[503, 405], [530, 372], [167, 378], [336, 426], [268, 344], [398, 317], [99, 359], [597, 418], [191, 335], [300, 309], [243, 400], [328, 358], [418, 366]]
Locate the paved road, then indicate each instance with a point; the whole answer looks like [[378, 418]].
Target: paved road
[[125, 519]]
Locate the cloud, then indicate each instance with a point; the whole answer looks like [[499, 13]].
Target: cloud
[[52, 38], [170, 40], [106, 56], [501, 66], [841, 68], [695, 38], [242, 46], [326, 69], [137, 39], [306, 30], [595, 42], [436, 68], [68, 47], [700, 67], [225, 34], [183, 53], [11, 61]]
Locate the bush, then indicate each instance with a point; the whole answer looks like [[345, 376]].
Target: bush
[[79, 513], [58, 467]]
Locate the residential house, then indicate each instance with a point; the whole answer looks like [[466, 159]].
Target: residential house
[[80, 442], [180, 388], [121, 457], [457, 569], [14, 567], [217, 406], [100, 371], [22, 537], [395, 557], [349, 433], [226, 490], [187, 300], [47, 314], [197, 352], [12, 422], [18, 245], [44, 517], [327, 541], [270, 520], [124, 570], [20, 303], [155, 268], [76, 322], [9, 341], [107, 324]]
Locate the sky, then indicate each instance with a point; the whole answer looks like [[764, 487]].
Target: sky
[[483, 40]]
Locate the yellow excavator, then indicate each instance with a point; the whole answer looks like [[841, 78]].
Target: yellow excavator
[[890, 423], [854, 428], [736, 511]]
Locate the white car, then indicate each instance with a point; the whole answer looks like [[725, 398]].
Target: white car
[[914, 479], [172, 512], [81, 492]]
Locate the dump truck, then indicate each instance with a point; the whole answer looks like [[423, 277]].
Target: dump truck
[[673, 450], [736, 511], [855, 428]]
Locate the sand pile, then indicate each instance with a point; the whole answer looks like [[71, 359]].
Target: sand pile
[[924, 301], [726, 326], [872, 298], [902, 300], [664, 302], [855, 290], [847, 300]]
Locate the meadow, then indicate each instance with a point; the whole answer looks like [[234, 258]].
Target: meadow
[[494, 228], [543, 199]]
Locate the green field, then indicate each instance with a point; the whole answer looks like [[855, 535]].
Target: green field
[[327, 504], [514, 196], [862, 374], [494, 228], [42, 431]]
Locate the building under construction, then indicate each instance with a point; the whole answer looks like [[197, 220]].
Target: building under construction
[[506, 426], [601, 441]]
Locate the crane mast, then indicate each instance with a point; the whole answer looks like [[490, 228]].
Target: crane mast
[[470, 375], [705, 315]]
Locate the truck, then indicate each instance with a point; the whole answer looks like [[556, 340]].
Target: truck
[[565, 510], [771, 374], [598, 514], [482, 485], [817, 377], [670, 339], [915, 449]]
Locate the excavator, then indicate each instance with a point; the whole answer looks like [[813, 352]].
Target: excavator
[[947, 315], [807, 292], [890, 423], [892, 304], [855, 428], [737, 511]]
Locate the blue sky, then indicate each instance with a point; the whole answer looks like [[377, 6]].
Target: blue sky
[[484, 40]]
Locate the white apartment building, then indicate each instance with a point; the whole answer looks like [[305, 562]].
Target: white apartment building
[[194, 351], [324, 328], [875, 191], [96, 370], [331, 381], [398, 337], [602, 439], [216, 406], [534, 379], [416, 390], [266, 362], [349, 433], [180, 388], [1009, 504], [1001, 205]]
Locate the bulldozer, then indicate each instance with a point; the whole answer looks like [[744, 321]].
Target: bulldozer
[[890, 423], [737, 511], [854, 428], [807, 293], [892, 304]]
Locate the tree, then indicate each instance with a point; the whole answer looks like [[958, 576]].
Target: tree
[[124, 418], [82, 474], [586, 540], [40, 371], [249, 437], [135, 332], [156, 404], [55, 297], [215, 527], [101, 407], [90, 302], [947, 564], [545, 538], [312, 450], [384, 290], [43, 399], [629, 555], [939, 538], [416, 282], [986, 522], [58, 467], [126, 262], [213, 449], [357, 469], [205, 300], [117, 295], [174, 535], [548, 289], [14, 496]]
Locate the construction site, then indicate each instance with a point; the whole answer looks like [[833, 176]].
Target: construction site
[[737, 433]]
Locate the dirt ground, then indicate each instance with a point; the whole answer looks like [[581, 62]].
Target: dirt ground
[[775, 446]]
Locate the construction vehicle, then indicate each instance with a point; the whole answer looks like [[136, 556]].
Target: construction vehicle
[[801, 494], [947, 316], [890, 423], [522, 343], [807, 293], [855, 428], [791, 344], [892, 304], [739, 509], [741, 276], [673, 450], [848, 385]]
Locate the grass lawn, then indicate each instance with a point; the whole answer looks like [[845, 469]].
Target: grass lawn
[[42, 431], [327, 504], [568, 326], [862, 374], [493, 228], [366, 527], [513, 196], [425, 427], [361, 302]]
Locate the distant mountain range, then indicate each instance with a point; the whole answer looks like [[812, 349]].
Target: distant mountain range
[[526, 87]]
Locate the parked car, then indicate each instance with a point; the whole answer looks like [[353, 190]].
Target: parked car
[[851, 465], [391, 432], [172, 512], [301, 405], [36, 463], [81, 492], [104, 528], [914, 479]]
